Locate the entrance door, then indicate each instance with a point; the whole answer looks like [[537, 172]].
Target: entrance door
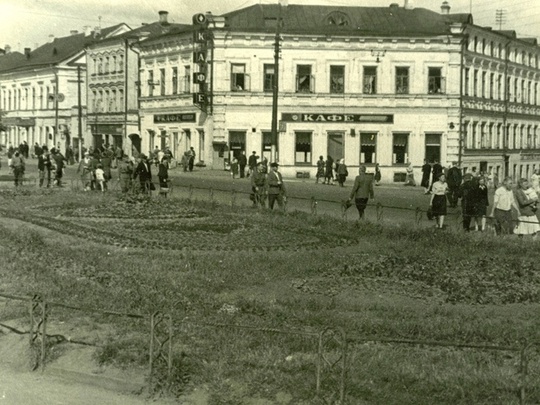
[[335, 145]]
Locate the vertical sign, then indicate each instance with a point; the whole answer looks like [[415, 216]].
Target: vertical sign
[[201, 40]]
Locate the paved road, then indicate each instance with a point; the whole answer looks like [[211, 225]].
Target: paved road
[[300, 192]]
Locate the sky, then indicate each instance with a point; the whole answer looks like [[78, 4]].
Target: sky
[[28, 23]]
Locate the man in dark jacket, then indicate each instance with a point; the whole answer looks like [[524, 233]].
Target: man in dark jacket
[[44, 166], [252, 162], [453, 178], [144, 173], [362, 190], [242, 162], [467, 202]]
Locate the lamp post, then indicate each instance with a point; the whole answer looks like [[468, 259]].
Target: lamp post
[[275, 88]]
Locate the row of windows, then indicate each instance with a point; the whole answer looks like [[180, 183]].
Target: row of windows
[[27, 98], [106, 101], [491, 85], [168, 83], [368, 147], [483, 135], [494, 50], [108, 64]]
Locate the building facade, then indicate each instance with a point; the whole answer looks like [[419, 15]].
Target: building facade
[[40, 93], [388, 85], [113, 86]]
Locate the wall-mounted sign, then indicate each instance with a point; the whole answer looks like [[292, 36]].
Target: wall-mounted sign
[[162, 118], [336, 118], [199, 77], [199, 57], [200, 37], [199, 19], [19, 122]]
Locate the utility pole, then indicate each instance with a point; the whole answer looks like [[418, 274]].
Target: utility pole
[[79, 101], [275, 92], [500, 17]]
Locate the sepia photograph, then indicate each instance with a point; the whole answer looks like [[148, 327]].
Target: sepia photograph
[[269, 202]]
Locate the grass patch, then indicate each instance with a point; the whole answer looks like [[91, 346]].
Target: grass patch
[[291, 272]]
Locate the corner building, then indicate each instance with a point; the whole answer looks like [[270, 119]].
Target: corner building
[[371, 85]]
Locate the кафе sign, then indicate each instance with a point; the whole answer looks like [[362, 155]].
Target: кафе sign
[[163, 118], [334, 118]]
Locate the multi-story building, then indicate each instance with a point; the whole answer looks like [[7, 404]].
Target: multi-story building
[[112, 77], [500, 102], [40, 94], [387, 85]]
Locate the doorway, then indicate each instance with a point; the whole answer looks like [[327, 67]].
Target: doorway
[[335, 145]]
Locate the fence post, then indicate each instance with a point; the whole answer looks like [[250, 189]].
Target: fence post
[[380, 212], [459, 220], [211, 195], [523, 371], [233, 198], [161, 335], [331, 366], [38, 330], [418, 215], [190, 192], [313, 206]]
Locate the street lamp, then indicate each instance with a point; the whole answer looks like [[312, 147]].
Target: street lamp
[[275, 89]]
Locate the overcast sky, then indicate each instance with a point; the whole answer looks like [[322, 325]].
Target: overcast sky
[[27, 23]]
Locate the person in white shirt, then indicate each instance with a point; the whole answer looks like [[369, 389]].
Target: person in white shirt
[[501, 210], [438, 200]]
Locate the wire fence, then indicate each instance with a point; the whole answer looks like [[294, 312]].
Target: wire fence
[[331, 349]]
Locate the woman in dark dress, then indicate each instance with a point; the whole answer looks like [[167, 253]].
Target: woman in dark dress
[[478, 196], [329, 173], [426, 172], [377, 174], [438, 200]]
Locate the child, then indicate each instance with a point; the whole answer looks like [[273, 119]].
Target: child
[[100, 177], [234, 168], [531, 193]]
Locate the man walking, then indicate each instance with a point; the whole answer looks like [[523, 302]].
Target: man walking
[[252, 163], [44, 166], [362, 190], [276, 188], [453, 179], [18, 165], [501, 210], [144, 173], [258, 186]]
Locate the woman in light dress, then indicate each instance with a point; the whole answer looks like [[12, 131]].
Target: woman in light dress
[[527, 200], [438, 200]]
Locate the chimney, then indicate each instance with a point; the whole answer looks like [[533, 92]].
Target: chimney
[[73, 32], [163, 17], [51, 38], [87, 30], [409, 5], [27, 53], [7, 48], [445, 8]]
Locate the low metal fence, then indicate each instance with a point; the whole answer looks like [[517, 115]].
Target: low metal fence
[[332, 348]]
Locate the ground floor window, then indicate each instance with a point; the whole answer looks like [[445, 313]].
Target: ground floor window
[[433, 148], [302, 147], [368, 147], [400, 147], [237, 143]]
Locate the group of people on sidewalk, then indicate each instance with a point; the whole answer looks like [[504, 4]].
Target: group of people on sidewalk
[[327, 168], [448, 189]]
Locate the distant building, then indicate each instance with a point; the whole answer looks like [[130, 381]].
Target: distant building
[[387, 85], [39, 92], [113, 83]]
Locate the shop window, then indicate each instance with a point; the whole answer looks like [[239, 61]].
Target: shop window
[[269, 72], [302, 149], [435, 81], [337, 79], [370, 80], [304, 80], [400, 148], [239, 78], [368, 148], [402, 80]]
